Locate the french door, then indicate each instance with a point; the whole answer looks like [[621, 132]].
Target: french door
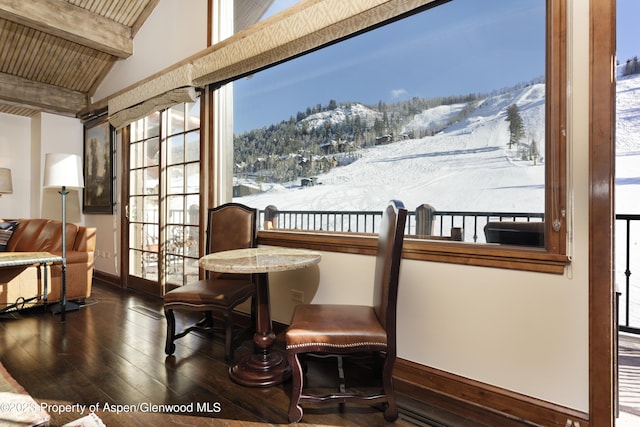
[[163, 197]]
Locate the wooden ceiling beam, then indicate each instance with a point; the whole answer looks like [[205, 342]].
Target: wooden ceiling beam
[[62, 19], [53, 99]]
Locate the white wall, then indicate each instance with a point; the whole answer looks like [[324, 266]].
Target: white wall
[[15, 135], [175, 30], [24, 143]]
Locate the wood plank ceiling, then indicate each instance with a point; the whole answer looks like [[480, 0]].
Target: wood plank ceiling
[[55, 53]]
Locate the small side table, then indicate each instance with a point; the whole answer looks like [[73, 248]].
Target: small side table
[[265, 367], [37, 259]]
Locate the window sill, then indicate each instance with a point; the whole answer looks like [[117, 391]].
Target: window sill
[[483, 255]]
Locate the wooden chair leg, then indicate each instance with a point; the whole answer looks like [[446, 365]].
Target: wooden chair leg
[[297, 377], [391, 410], [170, 346]]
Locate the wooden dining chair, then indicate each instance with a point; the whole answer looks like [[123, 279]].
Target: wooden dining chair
[[229, 226], [349, 329]]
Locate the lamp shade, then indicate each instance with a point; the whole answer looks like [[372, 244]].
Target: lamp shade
[[6, 185], [63, 170]]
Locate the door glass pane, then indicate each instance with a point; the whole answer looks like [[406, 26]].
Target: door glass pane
[[191, 241], [192, 151], [136, 155], [152, 152], [152, 125], [175, 149], [143, 255], [176, 119], [136, 183], [192, 178], [193, 115], [175, 179], [151, 212], [135, 209], [175, 205]]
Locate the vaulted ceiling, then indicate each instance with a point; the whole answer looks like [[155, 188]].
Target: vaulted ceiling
[[55, 53]]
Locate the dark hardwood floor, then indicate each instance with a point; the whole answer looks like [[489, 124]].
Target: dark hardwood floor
[[111, 352]]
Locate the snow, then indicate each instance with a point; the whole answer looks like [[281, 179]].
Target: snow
[[434, 117], [466, 167], [628, 145], [339, 115]]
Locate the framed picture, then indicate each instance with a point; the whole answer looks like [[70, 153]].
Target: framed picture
[[98, 167]]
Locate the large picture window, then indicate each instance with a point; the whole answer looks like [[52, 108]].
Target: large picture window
[[456, 110]]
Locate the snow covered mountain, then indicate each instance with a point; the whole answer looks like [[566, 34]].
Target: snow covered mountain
[[340, 115], [467, 166]]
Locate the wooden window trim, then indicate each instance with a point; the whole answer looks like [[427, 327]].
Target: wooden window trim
[[551, 259], [499, 256]]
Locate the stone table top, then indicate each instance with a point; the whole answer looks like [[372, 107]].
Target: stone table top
[[259, 260], [10, 259]]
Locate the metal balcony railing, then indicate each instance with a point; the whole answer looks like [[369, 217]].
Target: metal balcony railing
[[627, 254], [424, 221]]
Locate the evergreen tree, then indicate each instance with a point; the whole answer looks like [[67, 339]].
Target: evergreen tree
[[516, 125], [378, 127], [631, 67], [534, 152]]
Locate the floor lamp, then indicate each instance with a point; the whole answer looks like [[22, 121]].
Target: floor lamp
[[63, 171]]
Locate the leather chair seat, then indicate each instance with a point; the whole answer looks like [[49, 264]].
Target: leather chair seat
[[208, 292], [320, 328]]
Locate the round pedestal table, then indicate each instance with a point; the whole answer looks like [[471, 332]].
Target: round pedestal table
[[265, 366]]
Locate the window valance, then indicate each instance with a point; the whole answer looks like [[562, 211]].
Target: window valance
[[303, 27]]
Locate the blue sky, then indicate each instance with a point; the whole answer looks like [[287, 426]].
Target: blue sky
[[465, 46], [628, 16]]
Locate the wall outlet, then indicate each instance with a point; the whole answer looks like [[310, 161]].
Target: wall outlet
[[297, 295]]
